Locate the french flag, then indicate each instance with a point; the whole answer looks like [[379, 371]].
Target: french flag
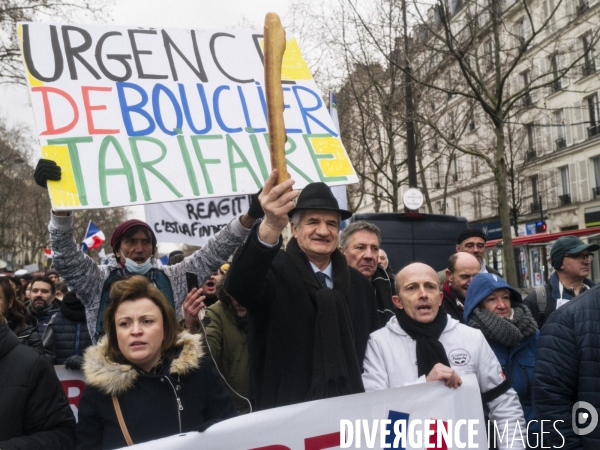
[[93, 238], [48, 253]]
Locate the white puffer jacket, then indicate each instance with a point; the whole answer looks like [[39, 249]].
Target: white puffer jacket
[[391, 361]]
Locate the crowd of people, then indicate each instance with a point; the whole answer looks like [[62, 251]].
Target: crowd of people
[[168, 349]]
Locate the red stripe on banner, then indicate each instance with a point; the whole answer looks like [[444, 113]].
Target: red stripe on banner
[[433, 439], [323, 441]]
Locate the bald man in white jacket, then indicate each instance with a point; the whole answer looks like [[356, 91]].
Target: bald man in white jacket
[[391, 357]]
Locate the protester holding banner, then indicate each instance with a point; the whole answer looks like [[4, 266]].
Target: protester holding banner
[[34, 412], [134, 245], [307, 306], [419, 345], [497, 309], [19, 320], [145, 379]]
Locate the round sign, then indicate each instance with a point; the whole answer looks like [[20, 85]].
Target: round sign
[[413, 198]]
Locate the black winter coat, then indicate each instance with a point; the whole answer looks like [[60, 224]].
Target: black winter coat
[[282, 320], [150, 403], [28, 335], [383, 293], [34, 412], [65, 336], [567, 369]]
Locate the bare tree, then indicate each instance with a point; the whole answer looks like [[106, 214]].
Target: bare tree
[[14, 11]]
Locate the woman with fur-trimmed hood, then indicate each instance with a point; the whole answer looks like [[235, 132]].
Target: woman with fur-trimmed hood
[[158, 380]]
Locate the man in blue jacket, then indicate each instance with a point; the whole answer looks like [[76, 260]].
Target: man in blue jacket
[[566, 384]]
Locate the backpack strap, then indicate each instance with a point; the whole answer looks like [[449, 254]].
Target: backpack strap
[[540, 297], [496, 392]]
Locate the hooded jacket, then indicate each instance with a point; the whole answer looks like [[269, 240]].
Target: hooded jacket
[[34, 412], [518, 362], [186, 395], [391, 361], [82, 274], [228, 345]]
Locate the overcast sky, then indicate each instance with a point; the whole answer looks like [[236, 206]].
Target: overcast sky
[[14, 104]]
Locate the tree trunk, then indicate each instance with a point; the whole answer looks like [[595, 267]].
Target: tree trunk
[[501, 174]]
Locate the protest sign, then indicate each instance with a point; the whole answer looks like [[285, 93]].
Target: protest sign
[[73, 383], [146, 115], [194, 221], [317, 425]]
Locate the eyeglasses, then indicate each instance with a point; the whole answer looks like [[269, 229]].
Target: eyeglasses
[[582, 256]]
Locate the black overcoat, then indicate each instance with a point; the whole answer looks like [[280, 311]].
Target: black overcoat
[[282, 320]]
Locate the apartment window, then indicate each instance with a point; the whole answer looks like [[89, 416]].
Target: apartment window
[[530, 129], [472, 122], [454, 167], [449, 84], [477, 204], [596, 162], [565, 181], [593, 115], [488, 51], [456, 202], [559, 120], [556, 85], [589, 55], [535, 204], [437, 175]]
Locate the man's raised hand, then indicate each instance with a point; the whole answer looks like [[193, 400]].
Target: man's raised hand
[[277, 201]]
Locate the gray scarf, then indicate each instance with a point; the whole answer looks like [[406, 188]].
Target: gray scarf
[[508, 332]]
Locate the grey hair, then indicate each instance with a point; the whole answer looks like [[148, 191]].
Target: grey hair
[[297, 217], [361, 225]]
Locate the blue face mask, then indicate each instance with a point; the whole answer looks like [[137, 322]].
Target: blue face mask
[[139, 269]]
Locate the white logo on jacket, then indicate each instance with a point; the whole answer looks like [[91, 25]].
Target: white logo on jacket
[[459, 357]]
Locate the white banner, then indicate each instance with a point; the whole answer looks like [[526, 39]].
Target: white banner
[[73, 383], [195, 221], [147, 115], [316, 425]]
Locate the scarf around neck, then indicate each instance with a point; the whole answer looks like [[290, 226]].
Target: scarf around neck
[[336, 370], [508, 332], [430, 350]]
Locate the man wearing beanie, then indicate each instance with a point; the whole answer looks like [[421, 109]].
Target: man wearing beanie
[[471, 240], [134, 245], [572, 261]]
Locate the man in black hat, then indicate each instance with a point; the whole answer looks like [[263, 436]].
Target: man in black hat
[[572, 260], [310, 313]]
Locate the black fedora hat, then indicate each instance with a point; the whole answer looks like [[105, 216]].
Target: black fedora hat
[[319, 196]]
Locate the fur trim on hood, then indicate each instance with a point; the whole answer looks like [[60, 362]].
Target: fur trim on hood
[[114, 378]]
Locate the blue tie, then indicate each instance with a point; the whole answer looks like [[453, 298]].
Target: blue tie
[[322, 278]]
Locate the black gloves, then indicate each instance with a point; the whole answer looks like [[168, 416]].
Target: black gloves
[[255, 211], [46, 170], [74, 362]]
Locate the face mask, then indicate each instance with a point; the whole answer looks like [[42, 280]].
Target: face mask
[[134, 267]]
